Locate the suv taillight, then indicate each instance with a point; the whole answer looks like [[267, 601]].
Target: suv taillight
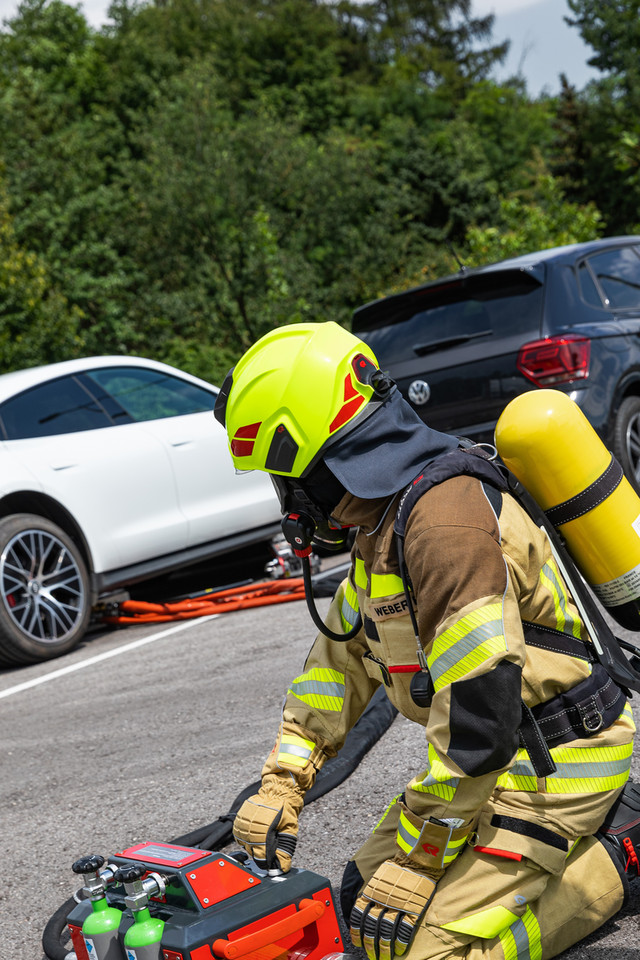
[[555, 360]]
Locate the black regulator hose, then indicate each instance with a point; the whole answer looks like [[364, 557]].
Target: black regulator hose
[[376, 719], [315, 616]]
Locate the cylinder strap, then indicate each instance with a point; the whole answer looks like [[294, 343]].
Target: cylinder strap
[[589, 498]]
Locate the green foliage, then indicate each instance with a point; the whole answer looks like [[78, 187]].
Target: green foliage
[[199, 171], [546, 220], [36, 323]]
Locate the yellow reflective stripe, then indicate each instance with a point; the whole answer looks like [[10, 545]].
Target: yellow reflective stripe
[[467, 645], [295, 751], [385, 585], [628, 714], [550, 578], [360, 574], [407, 835], [589, 769], [453, 849], [349, 609], [437, 779], [521, 776], [522, 940], [321, 687], [486, 924]]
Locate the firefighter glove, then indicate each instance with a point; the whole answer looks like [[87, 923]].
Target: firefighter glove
[[267, 827], [387, 912], [266, 824]]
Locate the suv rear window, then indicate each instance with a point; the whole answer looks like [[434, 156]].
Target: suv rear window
[[439, 317]]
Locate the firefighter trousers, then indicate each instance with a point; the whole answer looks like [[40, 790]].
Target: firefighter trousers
[[489, 906]]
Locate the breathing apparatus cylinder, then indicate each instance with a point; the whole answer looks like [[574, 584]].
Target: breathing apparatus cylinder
[[547, 442]]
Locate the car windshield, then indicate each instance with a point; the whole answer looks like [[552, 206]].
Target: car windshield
[[446, 316]]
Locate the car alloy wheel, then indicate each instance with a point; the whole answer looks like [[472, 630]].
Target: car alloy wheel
[[44, 591]]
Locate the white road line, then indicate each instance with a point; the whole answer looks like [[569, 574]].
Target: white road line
[[63, 671]]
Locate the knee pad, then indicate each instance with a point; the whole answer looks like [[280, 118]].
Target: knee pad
[[620, 831]]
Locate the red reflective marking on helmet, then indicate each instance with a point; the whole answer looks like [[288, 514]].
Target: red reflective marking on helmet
[[242, 448], [346, 413], [349, 390], [242, 444], [353, 401], [248, 432]]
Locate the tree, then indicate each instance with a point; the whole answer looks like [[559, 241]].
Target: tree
[[546, 220], [37, 325], [438, 39], [613, 30]]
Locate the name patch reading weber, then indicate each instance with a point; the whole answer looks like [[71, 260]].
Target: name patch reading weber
[[395, 608]]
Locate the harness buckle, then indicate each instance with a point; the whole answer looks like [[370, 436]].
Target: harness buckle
[[592, 719]]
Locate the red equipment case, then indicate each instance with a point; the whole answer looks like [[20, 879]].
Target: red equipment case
[[217, 907]]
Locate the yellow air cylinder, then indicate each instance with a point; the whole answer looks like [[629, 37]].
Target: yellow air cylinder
[[549, 445]]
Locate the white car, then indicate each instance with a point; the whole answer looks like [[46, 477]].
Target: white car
[[113, 470]]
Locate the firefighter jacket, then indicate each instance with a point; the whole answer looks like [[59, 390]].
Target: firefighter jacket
[[498, 628]]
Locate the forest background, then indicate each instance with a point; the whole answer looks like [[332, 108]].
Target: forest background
[[178, 182]]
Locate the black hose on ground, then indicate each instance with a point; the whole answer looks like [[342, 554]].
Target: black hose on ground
[[54, 938], [376, 719]]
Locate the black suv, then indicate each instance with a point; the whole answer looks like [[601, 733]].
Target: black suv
[[462, 347]]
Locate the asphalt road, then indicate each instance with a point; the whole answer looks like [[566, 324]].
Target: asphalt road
[[145, 733]]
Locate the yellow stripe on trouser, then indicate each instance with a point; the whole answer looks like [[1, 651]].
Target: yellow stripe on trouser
[[467, 645], [550, 578], [349, 608], [295, 751], [519, 936], [521, 941], [322, 688]]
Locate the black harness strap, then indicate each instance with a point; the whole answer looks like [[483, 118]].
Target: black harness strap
[[546, 638], [588, 707]]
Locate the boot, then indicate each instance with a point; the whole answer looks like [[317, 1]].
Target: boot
[[620, 831]]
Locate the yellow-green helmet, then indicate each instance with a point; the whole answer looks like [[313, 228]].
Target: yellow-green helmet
[[293, 392]]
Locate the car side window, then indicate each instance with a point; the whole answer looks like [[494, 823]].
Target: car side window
[[588, 287], [617, 272], [59, 406], [152, 394]]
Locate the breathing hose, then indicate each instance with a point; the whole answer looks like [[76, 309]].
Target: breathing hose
[[315, 616]]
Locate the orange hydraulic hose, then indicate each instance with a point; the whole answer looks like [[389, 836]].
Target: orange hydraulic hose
[[221, 601]]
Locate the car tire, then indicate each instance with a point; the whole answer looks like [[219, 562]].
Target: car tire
[[44, 590], [626, 439]]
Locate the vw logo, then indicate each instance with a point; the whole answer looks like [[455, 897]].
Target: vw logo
[[419, 392]]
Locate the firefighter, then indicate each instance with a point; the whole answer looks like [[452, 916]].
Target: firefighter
[[498, 848]]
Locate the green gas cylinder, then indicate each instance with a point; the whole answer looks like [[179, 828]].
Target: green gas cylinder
[[100, 929], [142, 941]]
